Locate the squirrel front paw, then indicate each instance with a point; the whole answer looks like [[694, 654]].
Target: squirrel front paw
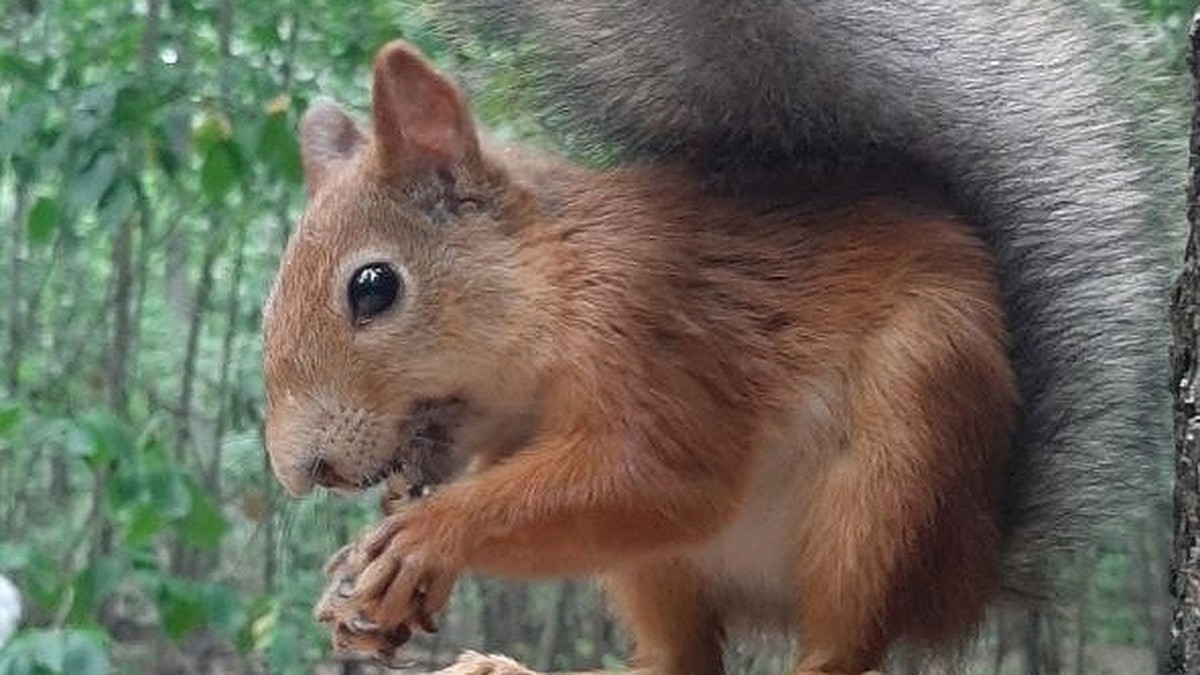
[[352, 631], [382, 587]]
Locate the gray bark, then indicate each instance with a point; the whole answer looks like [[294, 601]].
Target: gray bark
[[1183, 654]]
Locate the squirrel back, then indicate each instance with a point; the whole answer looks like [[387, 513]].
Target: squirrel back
[[1007, 107]]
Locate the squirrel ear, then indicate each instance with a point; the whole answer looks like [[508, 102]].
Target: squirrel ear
[[328, 136], [420, 119]]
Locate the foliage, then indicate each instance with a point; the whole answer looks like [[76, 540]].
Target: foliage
[[149, 176], [55, 652]]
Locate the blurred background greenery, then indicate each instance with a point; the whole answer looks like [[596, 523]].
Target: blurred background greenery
[[149, 177]]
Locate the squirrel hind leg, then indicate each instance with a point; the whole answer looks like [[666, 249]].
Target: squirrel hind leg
[[900, 538], [665, 606]]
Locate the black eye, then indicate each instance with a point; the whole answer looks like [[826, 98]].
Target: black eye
[[373, 288]]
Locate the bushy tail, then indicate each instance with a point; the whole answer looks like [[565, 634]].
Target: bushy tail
[[1004, 104]]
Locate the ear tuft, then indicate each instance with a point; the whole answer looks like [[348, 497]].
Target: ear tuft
[[420, 119], [328, 137]]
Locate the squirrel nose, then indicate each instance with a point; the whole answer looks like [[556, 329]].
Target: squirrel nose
[[295, 475]]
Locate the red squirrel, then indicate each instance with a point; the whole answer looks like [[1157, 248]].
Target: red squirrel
[[780, 396], [748, 410]]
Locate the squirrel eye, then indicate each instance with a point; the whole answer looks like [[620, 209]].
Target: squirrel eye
[[373, 288]]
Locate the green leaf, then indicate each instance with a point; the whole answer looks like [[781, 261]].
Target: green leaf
[[37, 573], [94, 181], [204, 525], [12, 65], [185, 606], [50, 651], [143, 522], [172, 140], [10, 417], [181, 608], [212, 130], [55, 652], [14, 555], [266, 34], [100, 438], [262, 628], [85, 654], [225, 608], [145, 561], [285, 649], [93, 113], [118, 203], [124, 494], [43, 220], [55, 150], [277, 145], [19, 125], [93, 585], [134, 106], [220, 170], [169, 493]]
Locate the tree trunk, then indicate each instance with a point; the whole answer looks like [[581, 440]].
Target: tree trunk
[[1183, 655], [117, 378], [233, 308], [1041, 643], [1084, 569], [199, 307], [16, 263], [550, 640]]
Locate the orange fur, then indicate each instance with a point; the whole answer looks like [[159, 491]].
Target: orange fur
[[736, 410]]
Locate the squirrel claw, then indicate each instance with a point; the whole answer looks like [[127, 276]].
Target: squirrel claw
[[362, 638], [338, 559], [358, 626], [351, 610]]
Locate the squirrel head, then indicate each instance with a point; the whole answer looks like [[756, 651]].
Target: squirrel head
[[396, 336]]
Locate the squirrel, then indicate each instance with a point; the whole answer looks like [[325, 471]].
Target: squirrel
[[853, 341]]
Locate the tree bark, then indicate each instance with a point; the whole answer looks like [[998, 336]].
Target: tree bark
[[117, 377], [233, 308], [1183, 655]]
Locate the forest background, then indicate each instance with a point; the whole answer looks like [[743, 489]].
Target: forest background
[[149, 177]]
